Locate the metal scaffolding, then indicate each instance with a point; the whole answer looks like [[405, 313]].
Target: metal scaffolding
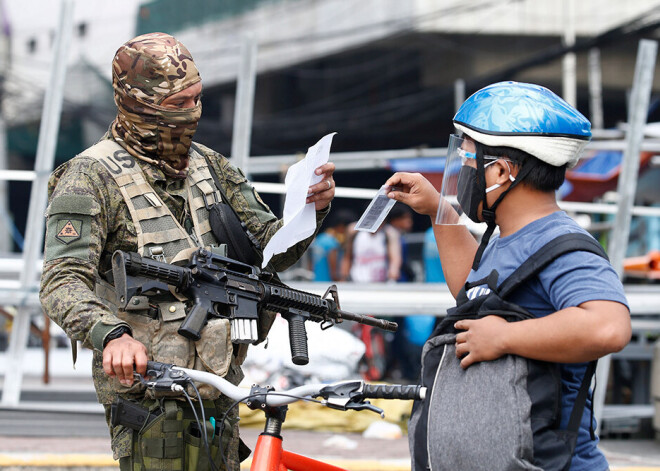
[[370, 299]]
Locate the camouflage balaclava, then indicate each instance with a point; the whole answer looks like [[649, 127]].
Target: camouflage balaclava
[[145, 71]]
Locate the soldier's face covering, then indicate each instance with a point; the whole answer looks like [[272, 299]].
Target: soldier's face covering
[[145, 71]]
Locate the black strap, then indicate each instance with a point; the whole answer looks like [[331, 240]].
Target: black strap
[[482, 245], [488, 213], [253, 240], [533, 266], [547, 254], [580, 401]]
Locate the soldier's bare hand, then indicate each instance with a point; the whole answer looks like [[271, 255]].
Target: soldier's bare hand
[[322, 193], [119, 356]]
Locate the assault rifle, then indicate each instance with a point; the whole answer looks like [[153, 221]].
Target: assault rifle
[[222, 287]]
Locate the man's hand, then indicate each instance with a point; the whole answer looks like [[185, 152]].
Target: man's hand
[[119, 356], [481, 341], [322, 193], [416, 191]]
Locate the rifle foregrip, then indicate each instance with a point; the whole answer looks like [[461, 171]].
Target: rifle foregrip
[[298, 340]]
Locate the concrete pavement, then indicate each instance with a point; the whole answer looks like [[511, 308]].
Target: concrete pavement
[[41, 435], [351, 451]]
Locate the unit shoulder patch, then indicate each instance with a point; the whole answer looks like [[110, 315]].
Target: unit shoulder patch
[[68, 230]]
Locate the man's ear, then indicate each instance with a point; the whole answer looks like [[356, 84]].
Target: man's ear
[[508, 168], [504, 169]]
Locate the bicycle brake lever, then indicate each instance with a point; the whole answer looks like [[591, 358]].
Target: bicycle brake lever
[[365, 405], [163, 378]]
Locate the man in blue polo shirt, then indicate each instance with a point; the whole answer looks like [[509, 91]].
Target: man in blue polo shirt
[[517, 142]]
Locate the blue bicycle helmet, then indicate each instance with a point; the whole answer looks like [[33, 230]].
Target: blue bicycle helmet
[[527, 117]]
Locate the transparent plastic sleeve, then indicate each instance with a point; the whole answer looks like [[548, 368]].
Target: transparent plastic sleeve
[[377, 211]]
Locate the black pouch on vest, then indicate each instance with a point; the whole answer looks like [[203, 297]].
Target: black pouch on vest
[[227, 226], [228, 229]]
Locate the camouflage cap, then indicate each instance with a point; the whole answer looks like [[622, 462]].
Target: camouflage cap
[[152, 67]]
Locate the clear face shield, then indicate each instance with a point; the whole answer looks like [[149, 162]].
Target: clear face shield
[[462, 192], [460, 152]]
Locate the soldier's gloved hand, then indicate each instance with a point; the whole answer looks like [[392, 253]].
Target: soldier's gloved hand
[[322, 193], [119, 356]]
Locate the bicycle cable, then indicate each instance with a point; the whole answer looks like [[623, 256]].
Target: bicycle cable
[[205, 432], [202, 425]]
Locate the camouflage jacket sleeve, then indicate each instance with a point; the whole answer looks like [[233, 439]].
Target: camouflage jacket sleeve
[[255, 213], [77, 224]]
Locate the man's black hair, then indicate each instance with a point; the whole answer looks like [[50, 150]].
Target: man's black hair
[[542, 176]]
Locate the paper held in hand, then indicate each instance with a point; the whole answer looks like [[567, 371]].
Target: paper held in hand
[[299, 216]]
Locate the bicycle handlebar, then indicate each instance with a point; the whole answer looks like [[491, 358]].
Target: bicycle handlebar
[[340, 395], [394, 391]]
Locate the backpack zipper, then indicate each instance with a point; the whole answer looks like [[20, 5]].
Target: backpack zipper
[[435, 380]]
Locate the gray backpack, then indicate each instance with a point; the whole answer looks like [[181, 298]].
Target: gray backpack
[[496, 415]]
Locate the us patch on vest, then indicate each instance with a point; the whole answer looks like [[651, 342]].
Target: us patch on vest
[[68, 230]]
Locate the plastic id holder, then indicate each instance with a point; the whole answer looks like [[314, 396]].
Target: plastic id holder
[[377, 210]]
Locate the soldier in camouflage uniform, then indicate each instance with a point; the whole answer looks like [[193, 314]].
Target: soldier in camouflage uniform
[[140, 190]]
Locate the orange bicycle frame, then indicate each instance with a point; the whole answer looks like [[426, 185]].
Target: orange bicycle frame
[[270, 456]]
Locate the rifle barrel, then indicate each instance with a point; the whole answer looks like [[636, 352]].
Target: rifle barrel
[[368, 320]]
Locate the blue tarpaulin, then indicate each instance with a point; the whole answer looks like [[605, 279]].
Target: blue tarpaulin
[[419, 164], [601, 166]]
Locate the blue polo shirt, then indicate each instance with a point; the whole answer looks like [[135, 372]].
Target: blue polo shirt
[[571, 280]]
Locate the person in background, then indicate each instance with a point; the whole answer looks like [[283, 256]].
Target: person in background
[[372, 258], [402, 356], [401, 219], [327, 249], [417, 329], [432, 266]]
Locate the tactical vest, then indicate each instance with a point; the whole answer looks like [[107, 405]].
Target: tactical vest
[[159, 234], [161, 237]]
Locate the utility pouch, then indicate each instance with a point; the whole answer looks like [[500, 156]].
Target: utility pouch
[[214, 347], [196, 456], [160, 444], [131, 415], [195, 450]]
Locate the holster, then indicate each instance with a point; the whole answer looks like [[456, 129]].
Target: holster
[[173, 439]]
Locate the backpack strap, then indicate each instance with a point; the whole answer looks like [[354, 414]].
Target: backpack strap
[[581, 400], [534, 265], [490, 281], [550, 252]]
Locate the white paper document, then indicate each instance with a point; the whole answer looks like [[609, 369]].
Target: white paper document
[[299, 217]]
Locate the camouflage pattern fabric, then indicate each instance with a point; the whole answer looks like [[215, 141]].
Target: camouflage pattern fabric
[[124, 440], [145, 71], [88, 220]]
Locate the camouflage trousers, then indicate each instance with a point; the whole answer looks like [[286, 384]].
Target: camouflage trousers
[[174, 442]]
